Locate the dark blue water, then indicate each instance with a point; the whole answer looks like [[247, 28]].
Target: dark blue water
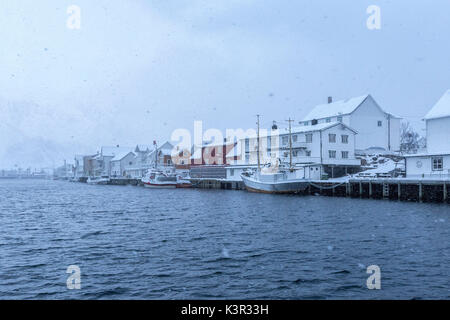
[[136, 243]]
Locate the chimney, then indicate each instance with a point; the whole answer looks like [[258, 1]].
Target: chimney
[[330, 99], [274, 125]]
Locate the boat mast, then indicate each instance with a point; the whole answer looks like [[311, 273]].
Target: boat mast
[[156, 154], [290, 143], [257, 142]]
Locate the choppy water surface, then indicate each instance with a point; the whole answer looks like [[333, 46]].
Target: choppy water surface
[[136, 243]]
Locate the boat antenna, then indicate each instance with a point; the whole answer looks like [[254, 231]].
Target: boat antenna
[[290, 143], [257, 142], [156, 154]]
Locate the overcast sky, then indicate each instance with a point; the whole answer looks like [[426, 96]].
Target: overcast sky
[[138, 69]]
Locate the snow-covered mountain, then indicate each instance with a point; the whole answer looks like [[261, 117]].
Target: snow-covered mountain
[[31, 135]]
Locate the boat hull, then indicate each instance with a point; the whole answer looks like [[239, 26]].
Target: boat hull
[[285, 187], [98, 181], [160, 186], [184, 185]]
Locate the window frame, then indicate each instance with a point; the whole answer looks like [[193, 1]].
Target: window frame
[[330, 153], [332, 137], [435, 165]]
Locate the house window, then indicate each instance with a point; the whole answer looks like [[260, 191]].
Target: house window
[[294, 138], [308, 153], [284, 140], [344, 138], [339, 119], [437, 163], [380, 123], [130, 163], [285, 154], [344, 154], [328, 120], [294, 153], [309, 138], [306, 123], [332, 138], [332, 154]]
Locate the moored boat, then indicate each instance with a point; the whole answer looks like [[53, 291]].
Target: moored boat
[[284, 181], [155, 178], [274, 178], [97, 180]]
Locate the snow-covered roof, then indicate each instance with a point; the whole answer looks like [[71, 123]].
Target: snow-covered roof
[[121, 155], [421, 155], [113, 151], [441, 109], [337, 108], [143, 147]]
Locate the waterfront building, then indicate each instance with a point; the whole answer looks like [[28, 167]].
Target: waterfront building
[[78, 167], [138, 165], [216, 154], [324, 147], [121, 162], [435, 162], [99, 165], [377, 129]]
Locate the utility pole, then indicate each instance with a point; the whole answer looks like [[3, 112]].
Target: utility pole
[[257, 142], [389, 132], [290, 143]]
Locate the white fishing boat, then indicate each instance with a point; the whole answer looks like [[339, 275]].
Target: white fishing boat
[[97, 180], [281, 181], [275, 178], [164, 177], [157, 178]]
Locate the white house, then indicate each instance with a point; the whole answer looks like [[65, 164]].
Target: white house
[[330, 145], [101, 163], [435, 163], [139, 164], [376, 128], [121, 162]]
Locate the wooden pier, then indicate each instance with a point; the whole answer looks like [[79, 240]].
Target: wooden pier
[[217, 184], [437, 191], [390, 189]]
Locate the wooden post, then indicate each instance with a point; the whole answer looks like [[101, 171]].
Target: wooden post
[[445, 192], [420, 192], [399, 191], [370, 189], [360, 189], [347, 189]]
